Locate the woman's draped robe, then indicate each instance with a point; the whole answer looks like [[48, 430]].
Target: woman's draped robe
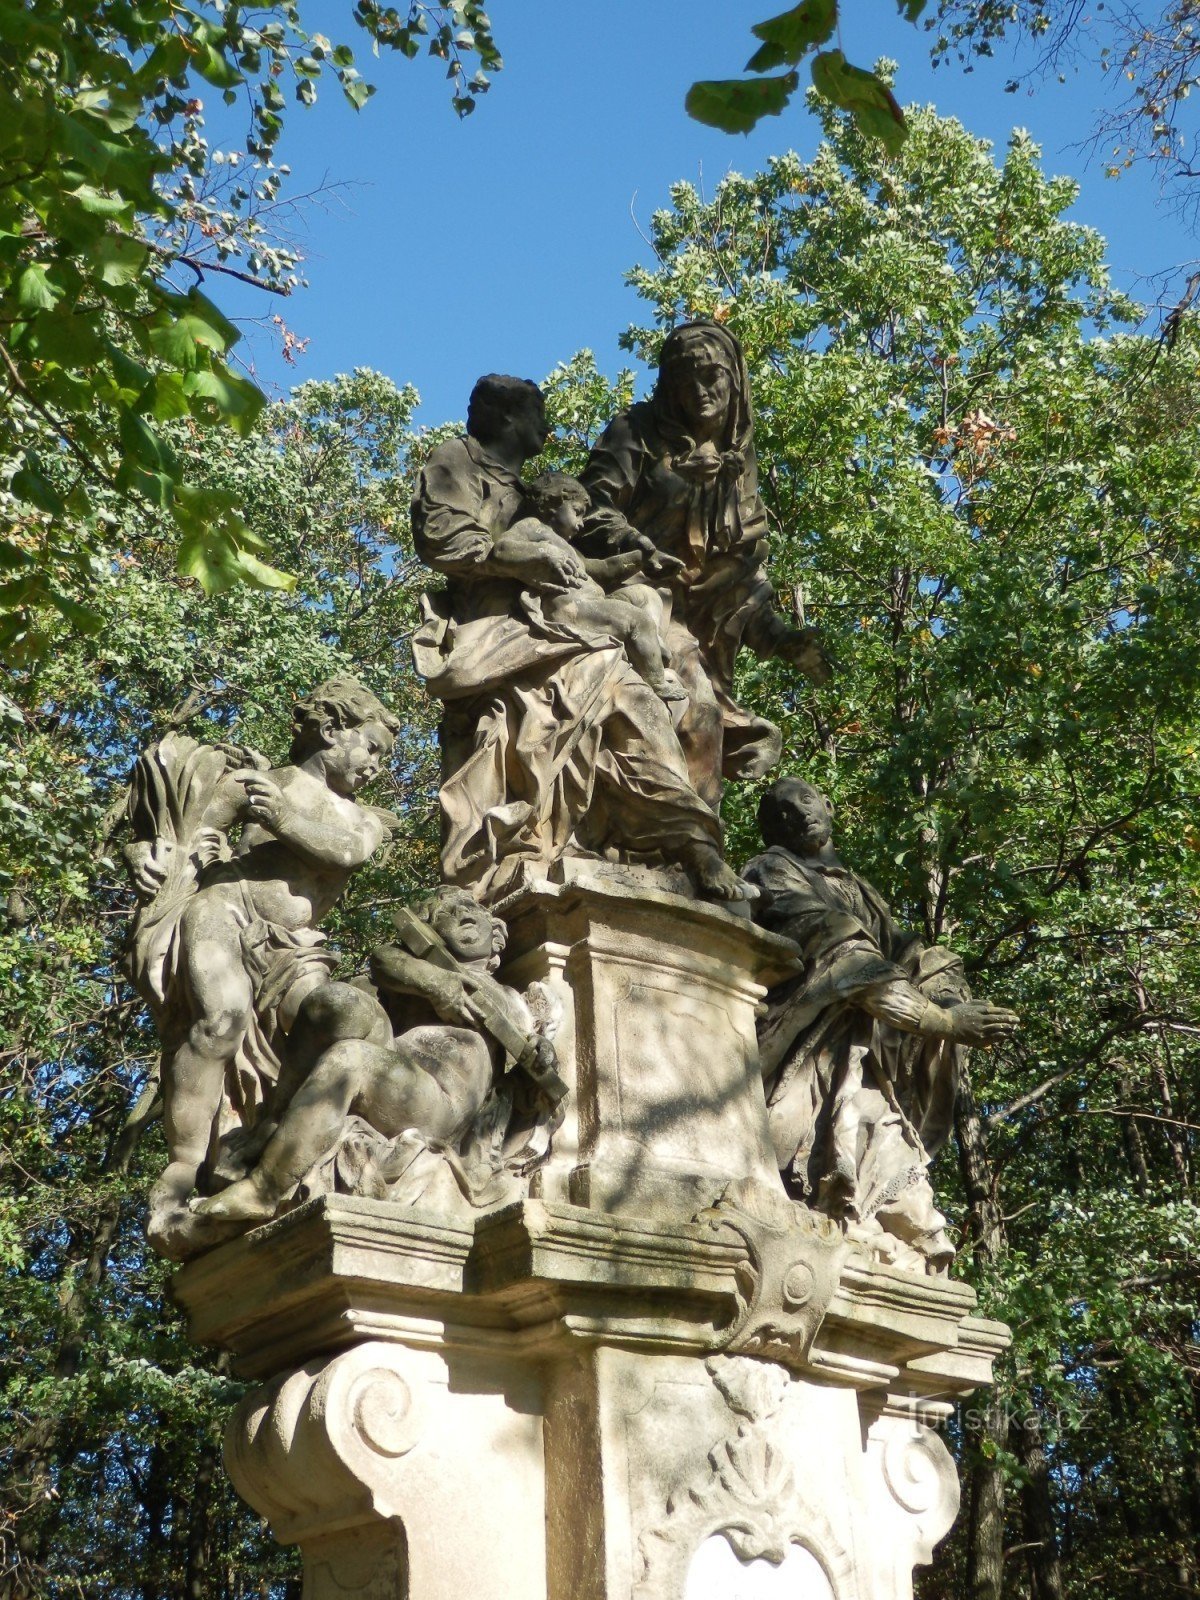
[[551, 741], [646, 476]]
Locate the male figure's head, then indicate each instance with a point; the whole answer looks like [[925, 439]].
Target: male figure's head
[[469, 932], [559, 501], [796, 816], [344, 730], [509, 415]]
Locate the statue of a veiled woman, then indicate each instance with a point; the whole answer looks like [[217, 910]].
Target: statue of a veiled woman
[[676, 474]]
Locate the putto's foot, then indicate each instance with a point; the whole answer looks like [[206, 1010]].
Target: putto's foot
[[715, 879], [669, 689], [241, 1202]]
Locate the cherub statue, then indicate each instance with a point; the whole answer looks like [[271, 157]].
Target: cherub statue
[[860, 1053], [445, 1076], [226, 945], [609, 602]]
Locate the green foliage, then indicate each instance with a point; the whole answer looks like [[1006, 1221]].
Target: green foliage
[[108, 194], [1149, 55], [978, 473], [111, 1420], [735, 105]]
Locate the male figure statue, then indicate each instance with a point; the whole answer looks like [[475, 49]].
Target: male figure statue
[[552, 744], [860, 1054]]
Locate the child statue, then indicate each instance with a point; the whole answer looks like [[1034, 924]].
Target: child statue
[[440, 1087], [226, 945], [554, 512]]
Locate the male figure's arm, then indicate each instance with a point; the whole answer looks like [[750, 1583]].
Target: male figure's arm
[[450, 531], [453, 534], [397, 970]]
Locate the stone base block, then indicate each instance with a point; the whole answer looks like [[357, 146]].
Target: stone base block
[[658, 1044], [570, 1405]]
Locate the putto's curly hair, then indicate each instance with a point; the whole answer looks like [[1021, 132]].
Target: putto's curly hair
[[549, 490], [494, 398], [448, 895], [343, 701]]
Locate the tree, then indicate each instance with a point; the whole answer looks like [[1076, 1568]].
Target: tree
[[114, 212], [978, 472], [1151, 55], [111, 1419]]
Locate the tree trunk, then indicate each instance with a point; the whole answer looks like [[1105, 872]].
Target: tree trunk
[[1131, 1138], [195, 1585], [986, 1432], [987, 1423], [1037, 1509]]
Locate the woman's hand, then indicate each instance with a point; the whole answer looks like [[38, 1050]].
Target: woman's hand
[[802, 647]]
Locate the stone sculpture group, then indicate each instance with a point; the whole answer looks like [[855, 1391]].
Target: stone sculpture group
[[599, 1202], [582, 643]]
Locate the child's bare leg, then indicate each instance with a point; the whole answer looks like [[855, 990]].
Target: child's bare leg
[[329, 1013], [644, 647], [308, 1130], [389, 1088], [194, 1078]]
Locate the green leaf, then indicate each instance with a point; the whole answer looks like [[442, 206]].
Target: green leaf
[[191, 325], [787, 37], [165, 398], [215, 67], [29, 484], [82, 618], [121, 258], [35, 292], [735, 105], [214, 556], [14, 557], [866, 97], [235, 399], [140, 442], [98, 203]]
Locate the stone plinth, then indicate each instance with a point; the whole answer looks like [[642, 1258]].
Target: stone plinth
[[658, 1042], [654, 1379], [554, 1406]]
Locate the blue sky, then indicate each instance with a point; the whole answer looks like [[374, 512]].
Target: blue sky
[[499, 243]]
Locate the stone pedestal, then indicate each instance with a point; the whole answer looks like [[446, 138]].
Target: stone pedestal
[[658, 1045], [656, 1379]]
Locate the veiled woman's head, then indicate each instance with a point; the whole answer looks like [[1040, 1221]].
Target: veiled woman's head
[[703, 389]]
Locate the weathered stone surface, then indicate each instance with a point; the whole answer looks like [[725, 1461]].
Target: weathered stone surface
[[565, 1377], [657, 1379], [862, 1049], [658, 1041], [235, 864]]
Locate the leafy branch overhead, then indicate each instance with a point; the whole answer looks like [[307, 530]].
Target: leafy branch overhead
[[736, 104], [114, 213]]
